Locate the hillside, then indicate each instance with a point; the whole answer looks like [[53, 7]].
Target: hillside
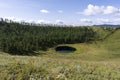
[[112, 43], [105, 50], [94, 59], [22, 39]]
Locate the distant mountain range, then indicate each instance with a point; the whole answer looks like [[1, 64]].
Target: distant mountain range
[[107, 25]]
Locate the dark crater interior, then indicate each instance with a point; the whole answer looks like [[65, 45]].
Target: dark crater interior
[[65, 49]]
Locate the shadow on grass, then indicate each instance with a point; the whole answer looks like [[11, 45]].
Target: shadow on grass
[[117, 55], [28, 53]]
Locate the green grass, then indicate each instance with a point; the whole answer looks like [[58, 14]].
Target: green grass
[[54, 68], [92, 61]]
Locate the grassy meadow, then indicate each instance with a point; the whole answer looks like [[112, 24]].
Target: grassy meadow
[[98, 60]]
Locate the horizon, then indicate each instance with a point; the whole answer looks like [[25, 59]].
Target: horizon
[[74, 12], [53, 24]]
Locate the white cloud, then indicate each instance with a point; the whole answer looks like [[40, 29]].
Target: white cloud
[[86, 20], [107, 21], [13, 18], [43, 22], [60, 22], [95, 10], [98, 21], [60, 11], [117, 20], [111, 10], [10, 18], [82, 21], [104, 21], [44, 11], [30, 21], [92, 10]]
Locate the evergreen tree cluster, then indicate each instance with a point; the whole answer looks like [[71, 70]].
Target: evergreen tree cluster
[[23, 38]]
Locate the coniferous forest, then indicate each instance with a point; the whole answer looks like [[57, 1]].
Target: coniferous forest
[[23, 38]]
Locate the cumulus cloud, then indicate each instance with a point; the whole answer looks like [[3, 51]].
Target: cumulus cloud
[[60, 22], [111, 10], [107, 21], [104, 21], [10, 18], [117, 20], [97, 21], [60, 11], [30, 21], [13, 18], [44, 11], [86, 20], [43, 22], [94, 10]]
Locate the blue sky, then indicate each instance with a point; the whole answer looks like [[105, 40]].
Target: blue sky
[[71, 12]]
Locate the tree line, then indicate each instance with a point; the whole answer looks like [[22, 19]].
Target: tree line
[[19, 38]]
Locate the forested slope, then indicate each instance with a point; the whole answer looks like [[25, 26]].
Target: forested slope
[[25, 38]]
